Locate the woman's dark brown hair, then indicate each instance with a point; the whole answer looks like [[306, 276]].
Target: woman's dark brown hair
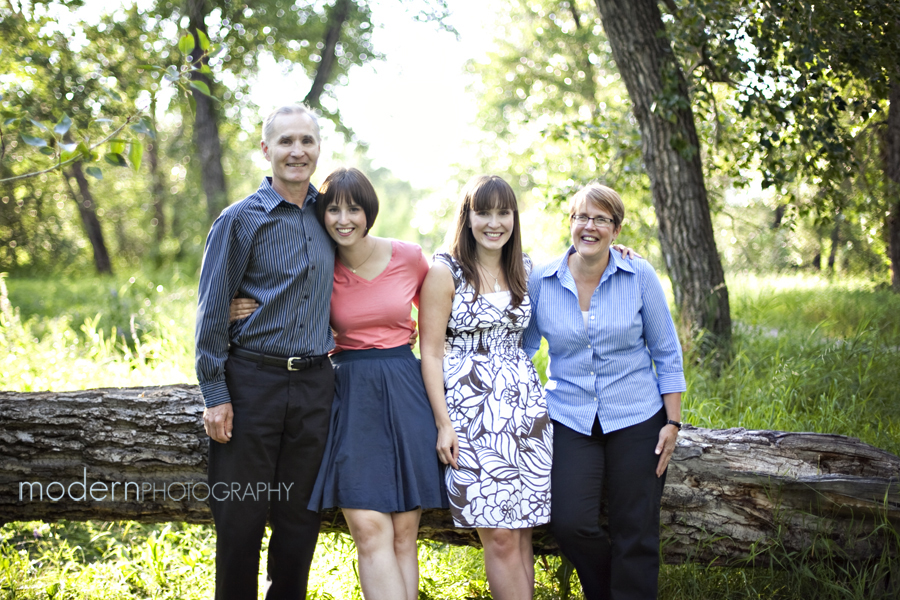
[[487, 192], [345, 185]]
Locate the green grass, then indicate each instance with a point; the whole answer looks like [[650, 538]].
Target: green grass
[[808, 355]]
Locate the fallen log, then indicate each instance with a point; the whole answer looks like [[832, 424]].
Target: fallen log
[[140, 454]]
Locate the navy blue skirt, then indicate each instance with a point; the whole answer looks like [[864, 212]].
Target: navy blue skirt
[[380, 454]]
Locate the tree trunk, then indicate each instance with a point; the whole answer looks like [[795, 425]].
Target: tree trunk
[[88, 211], [206, 126], [671, 151], [835, 242], [337, 17], [779, 216], [730, 494], [892, 171], [157, 186]]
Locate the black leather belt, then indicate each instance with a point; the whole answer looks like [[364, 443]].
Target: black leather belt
[[292, 363]]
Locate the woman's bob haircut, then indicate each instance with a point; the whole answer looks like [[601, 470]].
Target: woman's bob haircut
[[346, 186]]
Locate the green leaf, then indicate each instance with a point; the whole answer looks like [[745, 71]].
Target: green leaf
[[204, 41], [115, 159], [65, 123], [94, 172], [172, 73], [9, 122], [46, 151], [204, 68], [201, 87], [40, 125], [135, 154], [85, 152], [142, 128], [186, 44], [113, 94], [33, 141], [117, 146]]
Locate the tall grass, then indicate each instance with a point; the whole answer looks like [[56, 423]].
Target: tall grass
[[808, 355]]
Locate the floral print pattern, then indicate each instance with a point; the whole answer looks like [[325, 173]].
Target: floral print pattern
[[498, 409]]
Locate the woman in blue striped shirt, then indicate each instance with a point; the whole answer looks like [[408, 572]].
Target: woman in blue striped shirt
[[614, 395]]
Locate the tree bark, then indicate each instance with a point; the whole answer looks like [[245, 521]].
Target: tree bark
[[835, 242], [157, 186], [892, 171], [88, 211], [206, 126], [671, 151], [730, 494], [337, 17]]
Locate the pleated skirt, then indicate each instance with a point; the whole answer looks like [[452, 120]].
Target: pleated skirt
[[380, 454]]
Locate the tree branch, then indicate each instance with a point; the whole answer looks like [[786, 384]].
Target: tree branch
[[77, 157]]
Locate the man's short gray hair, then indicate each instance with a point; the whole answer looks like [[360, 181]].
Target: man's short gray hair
[[289, 109]]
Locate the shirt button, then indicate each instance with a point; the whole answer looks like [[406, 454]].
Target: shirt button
[[592, 372], [588, 345], [314, 267], [310, 239], [306, 296], [592, 317]]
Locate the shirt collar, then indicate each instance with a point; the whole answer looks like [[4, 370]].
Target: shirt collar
[[616, 262], [270, 198]]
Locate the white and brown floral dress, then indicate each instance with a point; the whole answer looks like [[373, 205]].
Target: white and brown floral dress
[[497, 406]]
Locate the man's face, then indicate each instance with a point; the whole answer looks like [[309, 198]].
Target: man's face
[[293, 149]]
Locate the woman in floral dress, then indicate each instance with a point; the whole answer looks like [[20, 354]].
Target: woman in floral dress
[[493, 427]]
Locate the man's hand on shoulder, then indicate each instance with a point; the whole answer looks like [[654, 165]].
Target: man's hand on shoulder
[[218, 422]]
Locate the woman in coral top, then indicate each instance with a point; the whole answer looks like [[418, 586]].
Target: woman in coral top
[[380, 464]]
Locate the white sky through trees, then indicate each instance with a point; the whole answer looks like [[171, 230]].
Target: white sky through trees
[[412, 108]]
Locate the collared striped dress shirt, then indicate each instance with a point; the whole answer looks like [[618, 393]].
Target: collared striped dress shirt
[[271, 250], [605, 369]]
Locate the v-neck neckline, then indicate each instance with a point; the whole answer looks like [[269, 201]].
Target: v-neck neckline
[[360, 277]]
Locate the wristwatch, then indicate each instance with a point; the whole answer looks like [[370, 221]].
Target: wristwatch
[[675, 423]]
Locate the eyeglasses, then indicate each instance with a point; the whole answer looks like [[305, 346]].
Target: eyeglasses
[[598, 221]]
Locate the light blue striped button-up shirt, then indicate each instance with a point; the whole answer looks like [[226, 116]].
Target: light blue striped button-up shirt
[[271, 250], [605, 370]]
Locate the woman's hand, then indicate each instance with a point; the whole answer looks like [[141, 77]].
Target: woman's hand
[[241, 308], [626, 251], [448, 445], [665, 447]]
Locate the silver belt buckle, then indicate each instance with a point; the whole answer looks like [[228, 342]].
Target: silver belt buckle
[[293, 358]]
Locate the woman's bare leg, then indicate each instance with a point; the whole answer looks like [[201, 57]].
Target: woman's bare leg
[[505, 563], [381, 575], [406, 531]]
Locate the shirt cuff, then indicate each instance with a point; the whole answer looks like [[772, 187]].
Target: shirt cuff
[[671, 382], [215, 393]]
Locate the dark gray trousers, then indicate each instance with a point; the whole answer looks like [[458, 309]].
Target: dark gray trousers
[[621, 561], [267, 470]]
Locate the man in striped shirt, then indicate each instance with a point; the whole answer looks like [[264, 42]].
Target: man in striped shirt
[[266, 379]]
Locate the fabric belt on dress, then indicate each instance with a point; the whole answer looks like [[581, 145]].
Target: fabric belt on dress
[[291, 363]]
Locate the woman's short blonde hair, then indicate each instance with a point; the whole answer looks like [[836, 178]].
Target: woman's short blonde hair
[[602, 197]]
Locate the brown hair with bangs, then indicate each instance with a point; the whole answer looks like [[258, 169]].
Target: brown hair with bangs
[[346, 185], [486, 192]]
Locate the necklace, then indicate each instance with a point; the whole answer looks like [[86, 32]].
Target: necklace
[[353, 270], [496, 281]]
